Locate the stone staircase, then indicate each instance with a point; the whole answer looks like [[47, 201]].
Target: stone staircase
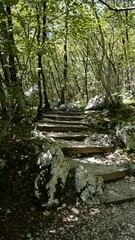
[[70, 127], [70, 130]]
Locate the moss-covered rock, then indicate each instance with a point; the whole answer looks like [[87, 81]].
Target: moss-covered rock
[[126, 133]]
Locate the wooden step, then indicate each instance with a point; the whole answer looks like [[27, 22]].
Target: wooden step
[[61, 128], [86, 149], [115, 175], [121, 200]]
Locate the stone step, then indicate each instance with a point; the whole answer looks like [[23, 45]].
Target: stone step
[[68, 136], [66, 113], [55, 121], [64, 117], [86, 149], [61, 128], [99, 167]]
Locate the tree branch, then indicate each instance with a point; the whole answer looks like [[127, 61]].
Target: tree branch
[[116, 9]]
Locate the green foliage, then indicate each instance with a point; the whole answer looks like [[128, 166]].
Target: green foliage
[[131, 167], [100, 47], [10, 2]]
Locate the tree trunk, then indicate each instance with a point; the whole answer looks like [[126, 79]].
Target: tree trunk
[[125, 47], [44, 35], [63, 89], [53, 78], [55, 63], [5, 69], [12, 49], [39, 110], [2, 99], [15, 91], [102, 70], [86, 73], [41, 42], [47, 104]]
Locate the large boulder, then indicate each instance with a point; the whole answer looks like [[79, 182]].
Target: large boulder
[[88, 185], [126, 134], [96, 103], [72, 106], [58, 179], [68, 107], [54, 176], [63, 107], [51, 179]]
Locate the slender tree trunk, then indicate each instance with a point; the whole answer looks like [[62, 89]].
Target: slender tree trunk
[[53, 77], [16, 91], [63, 89], [3, 101], [41, 37], [4, 48], [102, 70], [55, 60], [12, 49], [47, 104], [5, 70], [86, 73], [39, 110], [44, 35], [125, 46]]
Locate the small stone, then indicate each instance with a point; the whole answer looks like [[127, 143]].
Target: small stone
[[64, 205], [29, 236], [2, 163]]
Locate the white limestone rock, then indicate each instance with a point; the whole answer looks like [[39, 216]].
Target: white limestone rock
[[63, 107], [96, 103], [68, 107], [72, 106], [89, 186], [50, 181]]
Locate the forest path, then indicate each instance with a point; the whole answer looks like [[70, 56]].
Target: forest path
[[70, 130], [72, 133]]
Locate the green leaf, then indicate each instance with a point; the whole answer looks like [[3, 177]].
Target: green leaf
[[10, 2]]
